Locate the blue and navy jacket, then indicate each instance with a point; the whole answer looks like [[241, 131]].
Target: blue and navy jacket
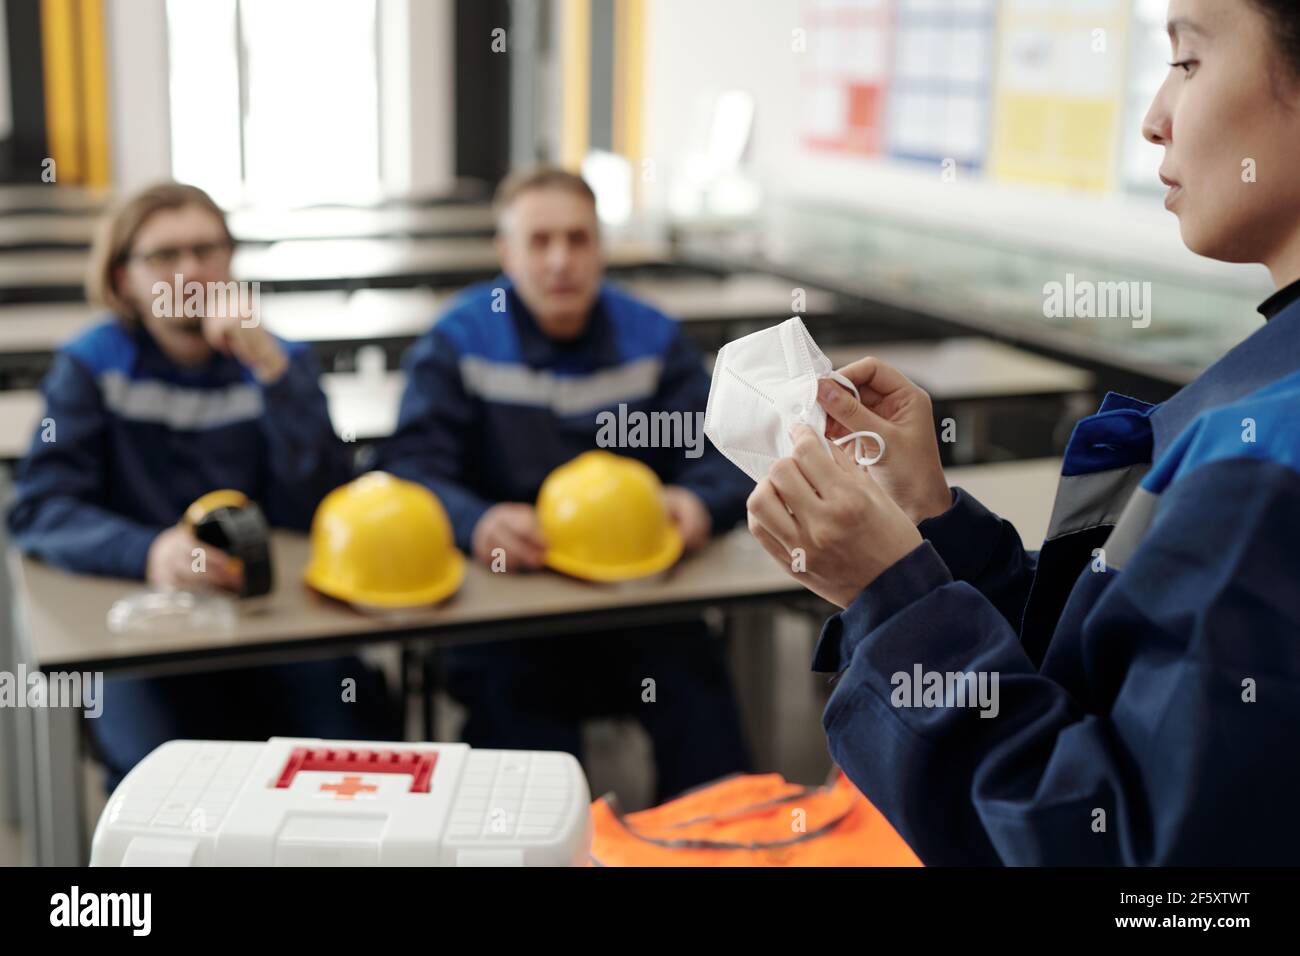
[[129, 440], [1148, 656], [492, 405]]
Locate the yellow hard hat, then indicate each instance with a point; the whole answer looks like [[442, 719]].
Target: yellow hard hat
[[604, 519], [383, 542]]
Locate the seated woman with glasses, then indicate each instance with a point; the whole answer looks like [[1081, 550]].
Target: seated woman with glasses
[[149, 410]]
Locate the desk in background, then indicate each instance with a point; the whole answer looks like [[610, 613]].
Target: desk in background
[[338, 322], [50, 199], [300, 265], [261, 226]]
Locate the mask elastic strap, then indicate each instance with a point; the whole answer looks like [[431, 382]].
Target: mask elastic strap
[[856, 437], [836, 376]]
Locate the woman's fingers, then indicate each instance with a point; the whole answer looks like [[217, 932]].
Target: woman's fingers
[[766, 506], [844, 458], [793, 487], [768, 541], [871, 374], [842, 408], [821, 470]]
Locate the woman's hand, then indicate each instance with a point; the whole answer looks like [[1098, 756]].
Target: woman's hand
[[827, 521], [900, 411]]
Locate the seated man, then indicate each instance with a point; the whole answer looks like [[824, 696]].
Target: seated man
[[146, 412], [505, 388]]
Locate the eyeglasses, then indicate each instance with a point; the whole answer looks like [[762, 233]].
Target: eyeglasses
[[168, 257]]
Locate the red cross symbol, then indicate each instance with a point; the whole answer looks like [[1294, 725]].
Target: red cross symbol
[[349, 788]]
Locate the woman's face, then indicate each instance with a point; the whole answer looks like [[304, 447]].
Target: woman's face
[[189, 242], [1228, 116]]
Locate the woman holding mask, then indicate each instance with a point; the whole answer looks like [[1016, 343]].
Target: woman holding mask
[[1148, 692]]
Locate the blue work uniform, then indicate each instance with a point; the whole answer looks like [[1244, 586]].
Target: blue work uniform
[[1147, 657], [492, 406], [128, 440]]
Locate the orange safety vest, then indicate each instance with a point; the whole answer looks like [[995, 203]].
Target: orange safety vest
[[751, 820]]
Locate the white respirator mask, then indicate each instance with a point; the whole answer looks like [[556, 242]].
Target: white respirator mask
[[763, 385]]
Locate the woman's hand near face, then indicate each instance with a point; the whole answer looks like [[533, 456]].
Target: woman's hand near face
[[847, 529], [901, 412]]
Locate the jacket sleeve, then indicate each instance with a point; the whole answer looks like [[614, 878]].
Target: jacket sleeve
[[1180, 754], [58, 513], [305, 459], [436, 429], [684, 387], [984, 551]]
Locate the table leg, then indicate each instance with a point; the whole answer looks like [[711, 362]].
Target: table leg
[[428, 688], [10, 799], [752, 647], [28, 802], [56, 734], [405, 662], [50, 742]]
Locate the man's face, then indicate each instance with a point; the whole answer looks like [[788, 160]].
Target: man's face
[[549, 246], [1230, 138], [188, 241]]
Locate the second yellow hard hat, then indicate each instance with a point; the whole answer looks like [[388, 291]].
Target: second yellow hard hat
[[604, 519]]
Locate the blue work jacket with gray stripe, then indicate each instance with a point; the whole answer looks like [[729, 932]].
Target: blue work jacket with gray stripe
[[1147, 657], [493, 405], [129, 439]]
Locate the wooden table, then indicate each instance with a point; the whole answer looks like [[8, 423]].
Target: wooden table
[[61, 627], [742, 296], [297, 265], [970, 367], [973, 381], [342, 222], [263, 226], [34, 231], [51, 199]]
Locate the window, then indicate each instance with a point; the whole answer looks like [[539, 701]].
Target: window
[[275, 101]]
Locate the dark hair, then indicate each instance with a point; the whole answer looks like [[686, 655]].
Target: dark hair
[[1284, 17]]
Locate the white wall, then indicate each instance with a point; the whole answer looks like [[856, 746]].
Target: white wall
[[696, 49], [417, 105], [138, 104]]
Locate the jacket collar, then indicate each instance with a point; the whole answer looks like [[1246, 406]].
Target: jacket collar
[[1268, 354], [595, 345]]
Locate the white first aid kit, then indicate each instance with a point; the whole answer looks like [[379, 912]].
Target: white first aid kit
[[303, 802]]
